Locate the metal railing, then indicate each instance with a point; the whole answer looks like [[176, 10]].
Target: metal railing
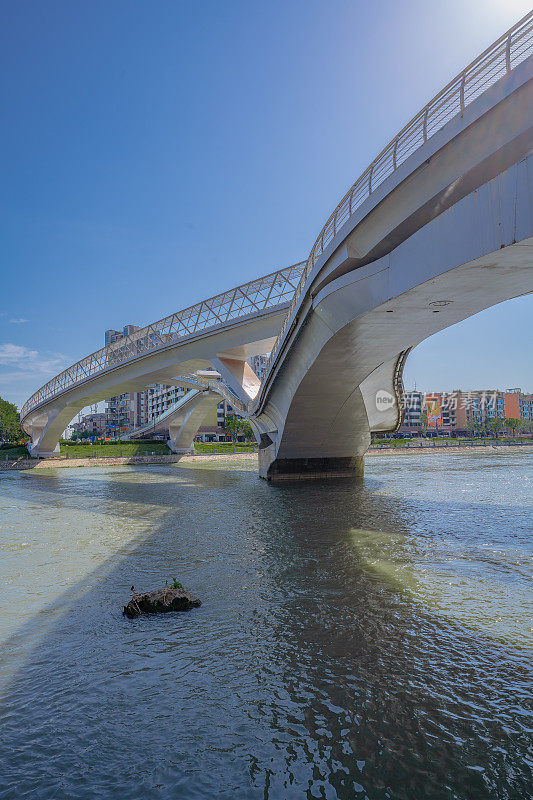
[[272, 290], [500, 58]]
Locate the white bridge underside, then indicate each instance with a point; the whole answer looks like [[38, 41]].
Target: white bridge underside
[[239, 339], [452, 225], [333, 408], [459, 216]]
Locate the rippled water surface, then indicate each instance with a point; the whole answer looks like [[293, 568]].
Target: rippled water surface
[[355, 640]]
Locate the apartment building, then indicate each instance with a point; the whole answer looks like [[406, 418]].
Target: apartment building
[[259, 365], [159, 397], [112, 336], [414, 406], [517, 404], [90, 423], [456, 411], [525, 407], [125, 411]]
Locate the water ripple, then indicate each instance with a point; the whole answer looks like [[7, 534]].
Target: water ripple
[[367, 640]]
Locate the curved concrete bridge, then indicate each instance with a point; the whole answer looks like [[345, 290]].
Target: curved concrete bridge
[[439, 227], [228, 328]]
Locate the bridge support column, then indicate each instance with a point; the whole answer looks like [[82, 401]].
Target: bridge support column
[[183, 427], [45, 429], [36, 451], [277, 470]]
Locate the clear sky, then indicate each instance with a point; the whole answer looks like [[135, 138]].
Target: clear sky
[[154, 154]]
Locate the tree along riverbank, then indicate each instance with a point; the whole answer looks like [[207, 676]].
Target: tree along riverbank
[[172, 458], [124, 449], [148, 447]]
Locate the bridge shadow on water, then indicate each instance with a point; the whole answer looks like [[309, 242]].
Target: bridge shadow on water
[[312, 668]]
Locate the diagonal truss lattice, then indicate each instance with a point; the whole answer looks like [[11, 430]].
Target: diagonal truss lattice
[[275, 289]]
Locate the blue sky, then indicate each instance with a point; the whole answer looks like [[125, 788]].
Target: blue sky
[[157, 153]]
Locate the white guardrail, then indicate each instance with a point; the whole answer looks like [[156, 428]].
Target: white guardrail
[[272, 290], [500, 58]]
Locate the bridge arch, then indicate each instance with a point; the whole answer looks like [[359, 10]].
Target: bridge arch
[[351, 350], [452, 223], [238, 324]]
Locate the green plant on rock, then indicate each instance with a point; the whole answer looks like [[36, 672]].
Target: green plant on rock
[[176, 584]]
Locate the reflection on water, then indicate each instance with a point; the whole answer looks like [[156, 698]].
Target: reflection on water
[[355, 640]]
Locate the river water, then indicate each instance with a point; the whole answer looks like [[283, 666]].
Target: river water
[[356, 640]]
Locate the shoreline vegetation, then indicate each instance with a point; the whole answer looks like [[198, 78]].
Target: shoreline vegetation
[[94, 458], [75, 450]]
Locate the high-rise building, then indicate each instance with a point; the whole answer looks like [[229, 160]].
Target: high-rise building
[[114, 336], [414, 405], [125, 411], [159, 397], [259, 365]]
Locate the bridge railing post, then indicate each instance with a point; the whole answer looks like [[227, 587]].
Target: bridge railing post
[[462, 93]]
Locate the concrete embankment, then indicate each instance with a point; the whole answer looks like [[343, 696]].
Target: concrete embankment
[[453, 448], [113, 461]]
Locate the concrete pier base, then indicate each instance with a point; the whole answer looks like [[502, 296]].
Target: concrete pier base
[[35, 451], [298, 469], [180, 451]]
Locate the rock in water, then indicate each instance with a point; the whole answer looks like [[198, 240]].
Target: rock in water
[[160, 601]]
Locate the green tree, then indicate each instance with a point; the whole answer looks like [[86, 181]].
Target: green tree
[[232, 426], [246, 430], [424, 420], [10, 430], [471, 427], [235, 425], [495, 425], [512, 424], [476, 426]]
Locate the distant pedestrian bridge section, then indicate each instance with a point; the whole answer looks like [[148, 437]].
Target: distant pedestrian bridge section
[[243, 321]]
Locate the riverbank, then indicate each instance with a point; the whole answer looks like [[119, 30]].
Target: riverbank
[[172, 458], [454, 448], [114, 461]]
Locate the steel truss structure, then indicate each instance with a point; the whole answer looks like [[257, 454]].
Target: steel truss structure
[[275, 289]]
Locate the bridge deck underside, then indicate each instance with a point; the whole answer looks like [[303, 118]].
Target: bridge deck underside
[[323, 401]]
